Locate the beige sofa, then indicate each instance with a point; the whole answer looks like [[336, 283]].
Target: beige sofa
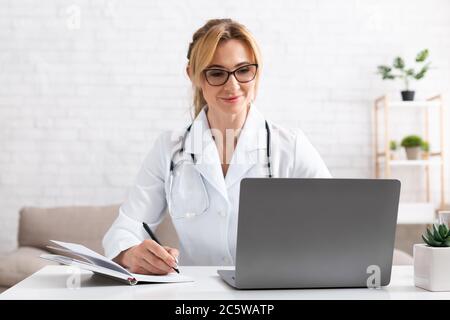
[[80, 224]]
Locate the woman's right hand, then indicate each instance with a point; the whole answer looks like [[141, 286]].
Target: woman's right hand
[[149, 258]]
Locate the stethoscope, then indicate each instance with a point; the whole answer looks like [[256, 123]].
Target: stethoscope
[[173, 166]]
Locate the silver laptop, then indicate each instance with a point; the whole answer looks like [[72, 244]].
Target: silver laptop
[[314, 233]]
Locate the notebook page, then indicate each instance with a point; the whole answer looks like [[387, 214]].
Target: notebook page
[[132, 279], [86, 266], [91, 255]]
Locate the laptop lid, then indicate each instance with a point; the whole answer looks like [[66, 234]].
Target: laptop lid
[[311, 233]]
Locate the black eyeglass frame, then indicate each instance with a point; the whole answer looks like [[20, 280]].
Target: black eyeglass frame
[[229, 73]]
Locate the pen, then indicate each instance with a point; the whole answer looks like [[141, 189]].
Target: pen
[[149, 231]]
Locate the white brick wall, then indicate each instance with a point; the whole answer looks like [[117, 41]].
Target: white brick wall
[[81, 101]]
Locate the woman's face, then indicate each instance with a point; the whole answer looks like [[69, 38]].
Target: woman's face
[[232, 97]]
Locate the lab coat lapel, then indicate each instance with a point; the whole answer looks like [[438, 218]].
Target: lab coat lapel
[[200, 143], [250, 148]]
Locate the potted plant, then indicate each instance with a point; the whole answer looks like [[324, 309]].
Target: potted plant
[[405, 73], [412, 145], [432, 260], [393, 147], [426, 150]]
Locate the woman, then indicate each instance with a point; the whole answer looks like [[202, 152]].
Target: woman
[[195, 172]]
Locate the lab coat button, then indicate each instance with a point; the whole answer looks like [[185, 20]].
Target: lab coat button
[[222, 213], [225, 260]]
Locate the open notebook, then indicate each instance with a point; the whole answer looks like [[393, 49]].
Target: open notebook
[[77, 255]]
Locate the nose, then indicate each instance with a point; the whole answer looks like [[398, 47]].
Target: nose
[[232, 84]]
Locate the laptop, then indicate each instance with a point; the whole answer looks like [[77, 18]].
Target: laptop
[[314, 233]]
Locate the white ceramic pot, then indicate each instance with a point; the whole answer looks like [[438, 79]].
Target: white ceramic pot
[[432, 267]]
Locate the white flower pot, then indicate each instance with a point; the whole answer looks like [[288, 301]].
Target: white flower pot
[[432, 267]]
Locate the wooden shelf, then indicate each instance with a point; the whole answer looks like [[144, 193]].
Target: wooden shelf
[[419, 212], [409, 163], [414, 104], [431, 154]]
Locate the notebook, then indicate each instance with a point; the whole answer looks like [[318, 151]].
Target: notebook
[[77, 255]]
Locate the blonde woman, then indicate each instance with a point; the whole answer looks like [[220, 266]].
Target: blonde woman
[[194, 173]]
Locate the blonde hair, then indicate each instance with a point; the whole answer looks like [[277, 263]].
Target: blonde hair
[[203, 46]]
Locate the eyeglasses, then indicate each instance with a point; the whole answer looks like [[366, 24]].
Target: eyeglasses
[[218, 77]]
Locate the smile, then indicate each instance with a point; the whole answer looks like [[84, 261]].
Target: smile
[[232, 99]]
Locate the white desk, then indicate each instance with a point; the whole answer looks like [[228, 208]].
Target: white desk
[[51, 283]]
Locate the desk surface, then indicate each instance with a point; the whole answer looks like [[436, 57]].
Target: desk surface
[[51, 282]]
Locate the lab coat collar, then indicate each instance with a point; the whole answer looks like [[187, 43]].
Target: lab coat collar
[[251, 141], [252, 136]]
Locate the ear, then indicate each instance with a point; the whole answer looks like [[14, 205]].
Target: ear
[[188, 72]]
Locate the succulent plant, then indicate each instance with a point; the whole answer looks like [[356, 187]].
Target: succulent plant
[[440, 237]]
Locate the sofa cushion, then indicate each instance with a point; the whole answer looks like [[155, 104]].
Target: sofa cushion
[[85, 225], [18, 265]]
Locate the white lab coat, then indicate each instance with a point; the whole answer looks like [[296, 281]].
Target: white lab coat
[[204, 204]]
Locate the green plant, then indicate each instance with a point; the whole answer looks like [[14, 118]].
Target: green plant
[[425, 146], [405, 73], [393, 145], [411, 141], [440, 237]]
